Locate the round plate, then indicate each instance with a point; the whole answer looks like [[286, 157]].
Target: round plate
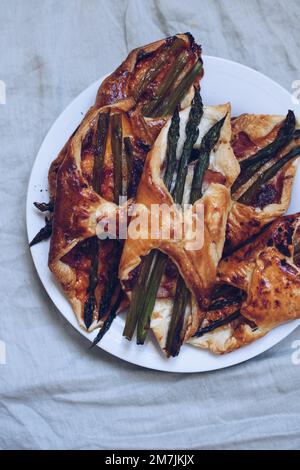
[[248, 91]]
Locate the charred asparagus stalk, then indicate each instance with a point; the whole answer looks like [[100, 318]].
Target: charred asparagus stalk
[[112, 282], [129, 159], [222, 290], [116, 143], [252, 164], [225, 296], [137, 295], [208, 143], [176, 328], [248, 196], [156, 273], [297, 134], [44, 206], [192, 133], [166, 84], [172, 100], [297, 252], [44, 233], [90, 303], [102, 130], [107, 323], [218, 323], [182, 294], [285, 134], [154, 70]]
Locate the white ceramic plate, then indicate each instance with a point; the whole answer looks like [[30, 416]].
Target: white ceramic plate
[[248, 91]]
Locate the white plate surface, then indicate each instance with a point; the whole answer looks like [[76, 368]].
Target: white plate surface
[[248, 91]]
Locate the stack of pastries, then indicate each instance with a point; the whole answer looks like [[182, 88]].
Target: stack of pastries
[[150, 141]]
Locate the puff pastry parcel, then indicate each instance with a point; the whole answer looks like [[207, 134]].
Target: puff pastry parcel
[[198, 266], [172, 64], [255, 135], [207, 257], [104, 159], [267, 273]]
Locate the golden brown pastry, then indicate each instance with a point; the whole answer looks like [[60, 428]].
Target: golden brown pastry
[[144, 76], [104, 159], [196, 266], [267, 273], [121, 149], [252, 134]]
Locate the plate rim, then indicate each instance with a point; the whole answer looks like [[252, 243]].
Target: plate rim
[[256, 348]]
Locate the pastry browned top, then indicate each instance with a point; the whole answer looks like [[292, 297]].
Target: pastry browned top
[[136, 95]]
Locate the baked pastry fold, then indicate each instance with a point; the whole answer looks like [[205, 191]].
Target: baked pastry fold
[[267, 271], [139, 79], [226, 277], [132, 105], [197, 266], [251, 134]]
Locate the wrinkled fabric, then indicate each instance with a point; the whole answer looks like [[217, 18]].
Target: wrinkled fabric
[[54, 392]]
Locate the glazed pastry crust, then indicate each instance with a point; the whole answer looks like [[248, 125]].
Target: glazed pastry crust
[[227, 338], [266, 271], [78, 208], [198, 267], [121, 85], [245, 221]]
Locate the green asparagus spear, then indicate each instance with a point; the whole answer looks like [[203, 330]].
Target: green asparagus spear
[[102, 129], [137, 296], [208, 143], [252, 164], [173, 137], [166, 84], [175, 332], [129, 159], [155, 68], [150, 293], [172, 100], [116, 144], [192, 133], [248, 196], [284, 136], [90, 303]]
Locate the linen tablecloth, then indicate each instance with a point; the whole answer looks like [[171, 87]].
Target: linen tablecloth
[[54, 392]]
